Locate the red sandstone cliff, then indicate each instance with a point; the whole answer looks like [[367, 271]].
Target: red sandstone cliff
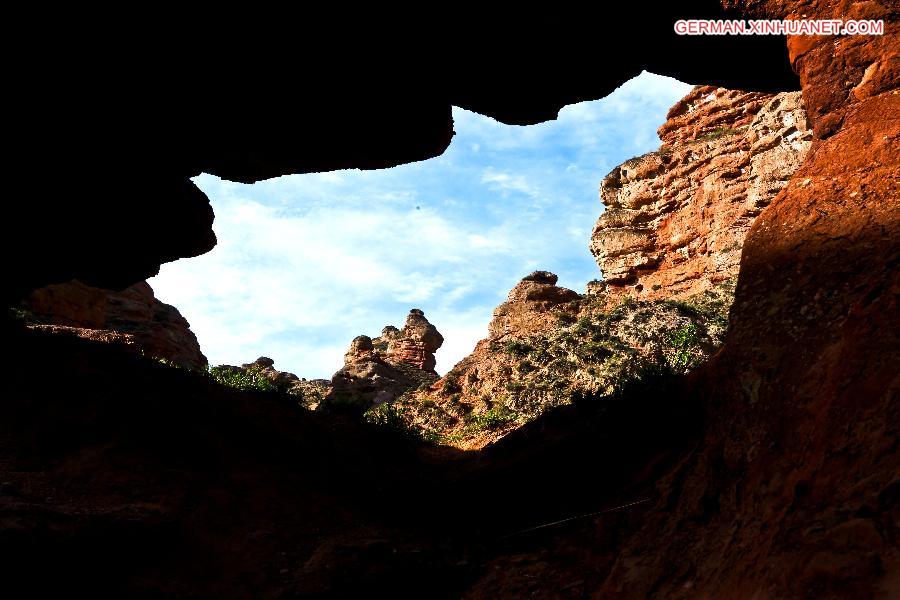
[[793, 489], [674, 226], [676, 219], [380, 370]]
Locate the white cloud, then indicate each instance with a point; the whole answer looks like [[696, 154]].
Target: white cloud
[[502, 181], [322, 270]]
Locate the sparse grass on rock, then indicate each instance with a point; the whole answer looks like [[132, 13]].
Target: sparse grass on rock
[[596, 352]]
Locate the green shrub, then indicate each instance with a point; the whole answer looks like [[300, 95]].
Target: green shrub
[[627, 302], [515, 387], [652, 375], [564, 320], [593, 350], [717, 133], [388, 415], [451, 386], [163, 361], [392, 416], [525, 367], [583, 326], [241, 379], [683, 340], [517, 348], [684, 307], [16, 313], [495, 417]]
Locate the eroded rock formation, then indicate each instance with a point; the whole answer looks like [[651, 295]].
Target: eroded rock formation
[[380, 370], [549, 346], [673, 229], [533, 306], [134, 317], [676, 219], [413, 345]]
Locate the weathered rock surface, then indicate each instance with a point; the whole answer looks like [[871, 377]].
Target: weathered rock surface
[[415, 344], [676, 219], [135, 314], [793, 490], [673, 229], [549, 346], [532, 306], [381, 370]]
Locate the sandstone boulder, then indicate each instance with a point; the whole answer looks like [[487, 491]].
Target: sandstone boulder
[[155, 328]]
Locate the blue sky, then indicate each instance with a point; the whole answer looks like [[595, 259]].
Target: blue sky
[[305, 263]]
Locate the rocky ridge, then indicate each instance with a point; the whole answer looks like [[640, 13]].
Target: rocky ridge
[[375, 370], [549, 346], [261, 375]]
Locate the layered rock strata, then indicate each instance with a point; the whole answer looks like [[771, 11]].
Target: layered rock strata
[[673, 230], [793, 491], [380, 370], [676, 219]]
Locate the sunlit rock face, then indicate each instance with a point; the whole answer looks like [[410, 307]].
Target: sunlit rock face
[[676, 219], [380, 370], [415, 344], [133, 316], [532, 306], [549, 346], [792, 490], [673, 229]]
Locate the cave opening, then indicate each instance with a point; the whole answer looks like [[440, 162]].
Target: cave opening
[[309, 266], [772, 471], [305, 263]]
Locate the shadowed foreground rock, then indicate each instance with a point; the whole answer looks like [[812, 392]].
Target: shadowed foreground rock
[[792, 491]]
